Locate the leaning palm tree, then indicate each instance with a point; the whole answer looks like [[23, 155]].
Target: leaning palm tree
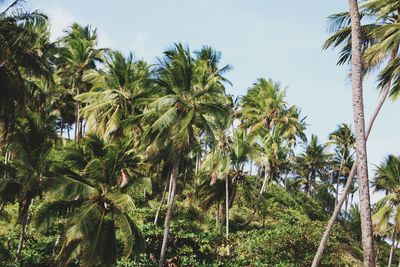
[[192, 103], [89, 196], [381, 47], [26, 173], [118, 93]]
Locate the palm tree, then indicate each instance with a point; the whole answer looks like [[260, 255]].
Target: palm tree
[[191, 104], [312, 164], [223, 170], [270, 121], [359, 123], [343, 139], [30, 144], [387, 179], [262, 106], [380, 13], [386, 219], [90, 193], [24, 53], [77, 55], [118, 93], [272, 154], [387, 175]]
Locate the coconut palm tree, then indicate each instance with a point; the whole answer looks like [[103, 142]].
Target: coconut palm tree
[[387, 175], [379, 14], [312, 165], [77, 55], [26, 173], [89, 195], [272, 155], [118, 93], [191, 103], [386, 219], [343, 139], [24, 53], [359, 123], [263, 106]]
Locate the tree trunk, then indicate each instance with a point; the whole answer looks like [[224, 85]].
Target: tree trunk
[[332, 220], [77, 120], [24, 215], [338, 180], [266, 178], [174, 175], [161, 202], [359, 124], [227, 212], [392, 247]]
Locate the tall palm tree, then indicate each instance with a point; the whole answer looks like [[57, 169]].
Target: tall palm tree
[[118, 93], [192, 103], [270, 121], [262, 106], [272, 154], [386, 219], [387, 176], [387, 179], [26, 173], [77, 55], [359, 123], [312, 165], [379, 15], [89, 194], [343, 139], [24, 53]]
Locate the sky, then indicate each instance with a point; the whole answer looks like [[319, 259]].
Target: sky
[[281, 40]]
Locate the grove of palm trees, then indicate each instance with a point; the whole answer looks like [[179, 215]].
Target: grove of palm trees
[[109, 160]]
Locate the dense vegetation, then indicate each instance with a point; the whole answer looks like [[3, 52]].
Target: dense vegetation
[[106, 160]]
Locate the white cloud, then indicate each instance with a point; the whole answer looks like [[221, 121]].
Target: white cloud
[[61, 19]]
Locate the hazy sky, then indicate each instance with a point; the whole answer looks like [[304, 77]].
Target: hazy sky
[[260, 38]]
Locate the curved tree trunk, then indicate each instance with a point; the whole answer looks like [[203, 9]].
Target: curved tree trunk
[[332, 220], [174, 175]]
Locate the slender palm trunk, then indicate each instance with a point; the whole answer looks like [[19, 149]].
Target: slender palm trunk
[[24, 217], [359, 124], [338, 180], [392, 247], [161, 202], [174, 175], [77, 120], [266, 179], [346, 190], [227, 212]]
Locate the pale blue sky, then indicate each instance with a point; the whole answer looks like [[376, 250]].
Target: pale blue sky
[[260, 38]]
